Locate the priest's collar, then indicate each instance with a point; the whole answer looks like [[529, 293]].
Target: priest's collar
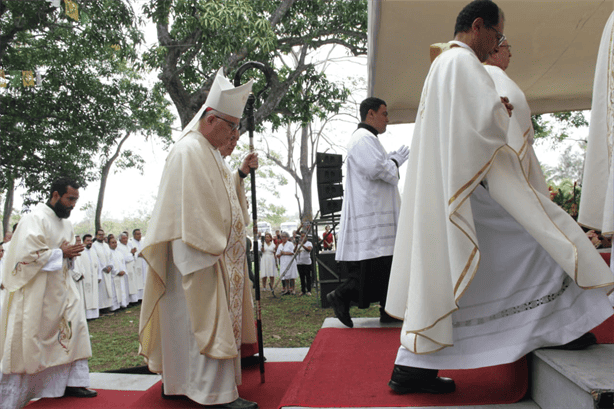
[[368, 128], [462, 45]]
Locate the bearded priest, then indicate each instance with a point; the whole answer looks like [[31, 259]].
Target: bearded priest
[[485, 267], [44, 337], [197, 308]]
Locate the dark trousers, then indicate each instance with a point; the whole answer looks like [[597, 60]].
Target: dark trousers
[[367, 282], [304, 271]]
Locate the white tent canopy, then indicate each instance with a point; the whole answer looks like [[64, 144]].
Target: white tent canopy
[[554, 49]]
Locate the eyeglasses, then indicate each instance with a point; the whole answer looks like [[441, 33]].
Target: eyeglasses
[[509, 47], [233, 126], [500, 36]]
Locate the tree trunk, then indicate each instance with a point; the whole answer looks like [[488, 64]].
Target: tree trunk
[[104, 174], [8, 205], [306, 169]]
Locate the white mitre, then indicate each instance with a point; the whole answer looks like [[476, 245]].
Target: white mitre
[[223, 97]]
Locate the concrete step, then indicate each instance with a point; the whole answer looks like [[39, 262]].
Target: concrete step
[[573, 379]]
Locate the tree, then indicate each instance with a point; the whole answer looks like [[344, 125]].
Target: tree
[[196, 37], [564, 122], [85, 90]]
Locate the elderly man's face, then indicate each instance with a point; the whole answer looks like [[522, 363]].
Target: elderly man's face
[[123, 239], [227, 149], [501, 57], [217, 128]]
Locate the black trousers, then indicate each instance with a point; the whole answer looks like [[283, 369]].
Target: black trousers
[[367, 281], [304, 271]]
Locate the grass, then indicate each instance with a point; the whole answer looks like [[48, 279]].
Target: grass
[[287, 322]]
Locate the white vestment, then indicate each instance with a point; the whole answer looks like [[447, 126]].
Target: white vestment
[[286, 263], [120, 282], [129, 259], [87, 264], [197, 308], [597, 201], [105, 287], [370, 209], [451, 248], [140, 266], [44, 336]]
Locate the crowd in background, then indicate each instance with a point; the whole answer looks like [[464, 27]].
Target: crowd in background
[[109, 274]]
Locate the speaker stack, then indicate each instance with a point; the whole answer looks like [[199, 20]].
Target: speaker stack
[[330, 197]]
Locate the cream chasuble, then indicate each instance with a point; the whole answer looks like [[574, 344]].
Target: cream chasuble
[[34, 335], [459, 141], [197, 204], [597, 201]]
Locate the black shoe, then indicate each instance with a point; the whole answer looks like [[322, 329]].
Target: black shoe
[[237, 404], [384, 318], [339, 309], [405, 380], [79, 392], [583, 342]]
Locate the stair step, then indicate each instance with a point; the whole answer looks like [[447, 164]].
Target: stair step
[[573, 379]]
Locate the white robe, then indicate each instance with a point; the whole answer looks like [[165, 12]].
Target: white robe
[[120, 283], [87, 264], [129, 260], [140, 266], [460, 141], [370, 209], [44, 335], [105, 287]]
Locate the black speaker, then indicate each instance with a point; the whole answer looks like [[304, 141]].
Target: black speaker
[[331, 273], [329, 178], [328, 160]]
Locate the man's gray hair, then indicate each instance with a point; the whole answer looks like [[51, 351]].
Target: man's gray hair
[[124, 235]]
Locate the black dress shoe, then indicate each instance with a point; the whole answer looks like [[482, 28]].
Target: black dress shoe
[[79, 392], [339, 309], [583, 342], [409, 380], [384, 318]]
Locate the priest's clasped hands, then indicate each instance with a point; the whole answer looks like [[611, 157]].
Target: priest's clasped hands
[[507, 104], [71, 251]]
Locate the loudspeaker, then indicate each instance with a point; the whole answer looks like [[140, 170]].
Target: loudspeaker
[[329, 178], [331, 273]]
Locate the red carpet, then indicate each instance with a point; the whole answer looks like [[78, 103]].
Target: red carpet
[[605, 331], [268, 395], [351, 368]]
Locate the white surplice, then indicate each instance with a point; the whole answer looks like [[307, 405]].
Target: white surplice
[[460, 142], [370, 209]]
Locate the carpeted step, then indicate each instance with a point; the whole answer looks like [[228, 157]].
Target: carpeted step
[[573, 379]]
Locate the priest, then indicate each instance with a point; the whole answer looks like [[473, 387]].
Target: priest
[[44, 339], [87, 264], [120, 278], [105, 286], [597, 201], [129, 260], [369, 214], [486, 268], [197, 308], [140, 265]]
